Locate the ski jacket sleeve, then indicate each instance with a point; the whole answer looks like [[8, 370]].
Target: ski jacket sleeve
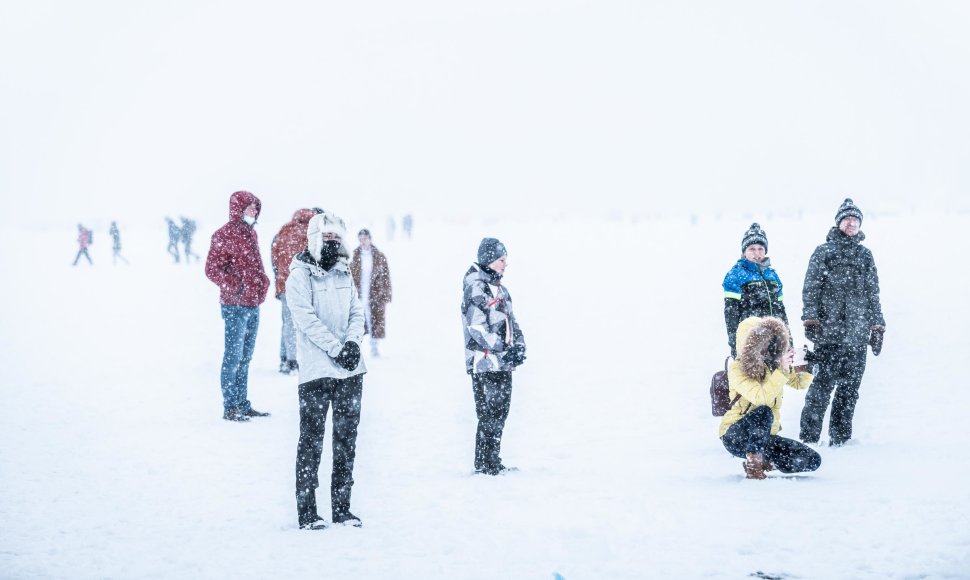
[[732, 317], [812, 288], [355, 331], [299, 300], [872, 291]]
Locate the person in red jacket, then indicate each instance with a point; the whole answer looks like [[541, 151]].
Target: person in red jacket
[[235, 266], [290, 241]]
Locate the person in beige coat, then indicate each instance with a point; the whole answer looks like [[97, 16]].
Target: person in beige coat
[[756, 388]]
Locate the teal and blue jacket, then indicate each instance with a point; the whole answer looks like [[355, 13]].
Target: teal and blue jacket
[[751, 289]]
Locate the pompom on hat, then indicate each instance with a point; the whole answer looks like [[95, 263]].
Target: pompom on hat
[[754, 235], [848, 209]]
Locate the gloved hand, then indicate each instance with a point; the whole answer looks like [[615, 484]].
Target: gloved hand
[[349, 356], [515, 355], [876, 333], [813, 330]]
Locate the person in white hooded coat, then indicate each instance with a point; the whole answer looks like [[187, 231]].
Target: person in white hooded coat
[[329, 322]]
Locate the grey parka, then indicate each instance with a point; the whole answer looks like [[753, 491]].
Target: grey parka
[[327, 313]]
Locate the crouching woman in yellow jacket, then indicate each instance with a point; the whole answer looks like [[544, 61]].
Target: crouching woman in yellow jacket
[[757, 379]]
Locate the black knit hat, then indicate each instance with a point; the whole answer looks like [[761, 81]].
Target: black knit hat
[[847, 209], [490, 250], [754, 235]]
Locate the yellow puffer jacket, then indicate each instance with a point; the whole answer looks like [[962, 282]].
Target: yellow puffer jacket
[[748, 376]]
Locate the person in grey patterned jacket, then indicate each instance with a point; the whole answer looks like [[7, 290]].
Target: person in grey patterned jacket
[[494, 347], [329, 322]]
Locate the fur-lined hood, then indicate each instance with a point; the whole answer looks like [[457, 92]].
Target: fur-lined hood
[[761, 341]]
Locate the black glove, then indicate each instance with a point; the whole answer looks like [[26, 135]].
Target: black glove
[[875, 338], [813, 330], [515, 355], [349, 356]]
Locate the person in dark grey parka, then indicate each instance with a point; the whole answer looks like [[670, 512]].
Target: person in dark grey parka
[[842, 315]]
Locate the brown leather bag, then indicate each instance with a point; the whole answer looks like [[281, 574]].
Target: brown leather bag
[[721, 401]]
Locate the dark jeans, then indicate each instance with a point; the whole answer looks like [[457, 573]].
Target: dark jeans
[[82, 252], [315, 398], [840, 367], [753, 433], [241, 325], [493, 396]]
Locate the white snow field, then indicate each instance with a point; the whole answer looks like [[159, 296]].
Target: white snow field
[[115, 461]]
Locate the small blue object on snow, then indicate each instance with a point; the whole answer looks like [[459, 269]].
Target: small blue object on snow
[[557, 576]]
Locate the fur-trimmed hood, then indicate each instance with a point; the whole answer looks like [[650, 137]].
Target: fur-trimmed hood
[[761, 342]]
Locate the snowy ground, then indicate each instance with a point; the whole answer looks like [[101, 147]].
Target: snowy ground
[[115, 462]]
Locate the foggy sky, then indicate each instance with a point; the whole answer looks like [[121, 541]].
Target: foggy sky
[[487, 108]]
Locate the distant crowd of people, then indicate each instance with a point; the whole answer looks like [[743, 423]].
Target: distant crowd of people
[[176, 234]]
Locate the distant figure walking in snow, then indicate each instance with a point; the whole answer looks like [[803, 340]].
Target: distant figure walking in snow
[[842, 314], [372, 277], [235, 266], [287, 243], [407, 224], [494, 347], [116, 244], [751, 286], [329, 322], [173, 239], [83, 241], [756, 386], [186, 233]]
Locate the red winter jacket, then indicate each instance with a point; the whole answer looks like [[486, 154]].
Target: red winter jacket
[[290, 241], [234, 263]]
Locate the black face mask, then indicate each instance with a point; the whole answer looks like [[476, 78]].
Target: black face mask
[[329, 253]]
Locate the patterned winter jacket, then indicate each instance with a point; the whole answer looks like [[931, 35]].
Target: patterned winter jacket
[[489, 324], [326, 313], [841, 290], [234, 263], [751, 383], [751, 289]]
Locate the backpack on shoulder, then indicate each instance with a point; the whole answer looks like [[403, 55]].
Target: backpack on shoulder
[[721, 401]]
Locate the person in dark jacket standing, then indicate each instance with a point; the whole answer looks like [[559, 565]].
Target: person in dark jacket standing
[[372, 277], [235, 266], [752, 287], [494, 347], [329, 322], [842, 314]]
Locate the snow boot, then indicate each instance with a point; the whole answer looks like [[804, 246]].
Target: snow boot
[[254, 413], [754, 465], [234, 414], [348, 519], [306, 511]]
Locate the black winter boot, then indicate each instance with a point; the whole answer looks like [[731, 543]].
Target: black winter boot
[[306, 510]]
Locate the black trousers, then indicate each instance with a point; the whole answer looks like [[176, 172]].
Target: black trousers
[[493, 397], [315, 398], [840, 367], [82, 252], [753, 433]]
